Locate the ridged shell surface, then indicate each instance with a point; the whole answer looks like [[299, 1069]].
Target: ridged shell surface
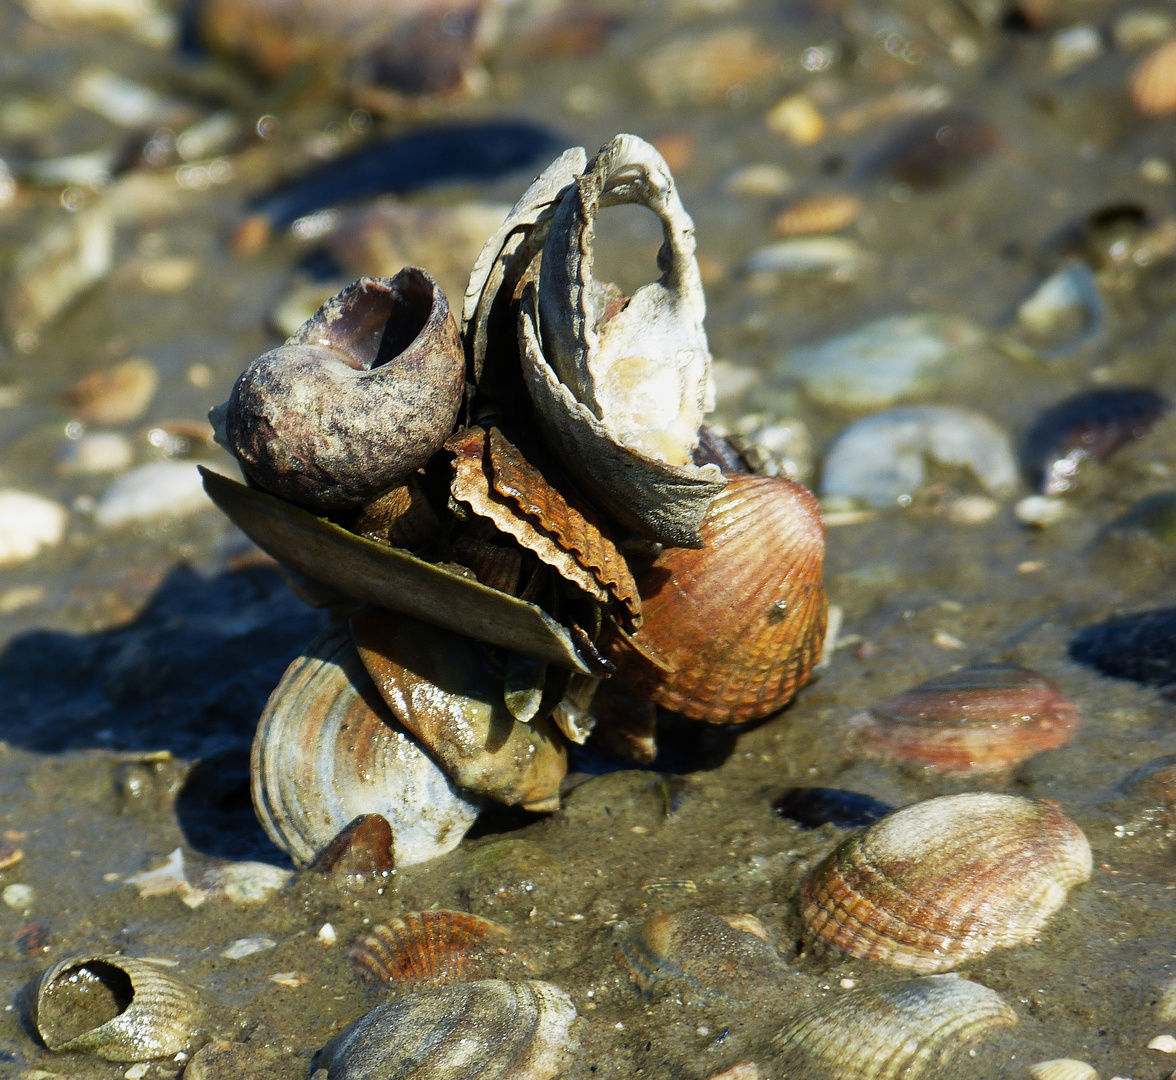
[[908, 1029], [426, 947], [945, 880], [1062, 1069], [732, 630], [486, 1030], [117, 1007], [328, 749]]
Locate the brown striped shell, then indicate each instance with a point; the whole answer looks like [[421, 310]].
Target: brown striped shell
[[428, 947], [906, 1030], [978, 719], [944, 881], [732, 630], [820, 214]]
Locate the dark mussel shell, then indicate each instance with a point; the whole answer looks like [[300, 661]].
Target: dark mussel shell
[[1141, 647], [811, 807]]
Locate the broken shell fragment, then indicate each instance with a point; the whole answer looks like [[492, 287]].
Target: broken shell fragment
[[977, 719], [944, 881], [439, 687], [327, 750], [117, 1007], [1062, 1069], [428, 947], [489, 1030], [355, 402], [732, 630], [908, 1029]]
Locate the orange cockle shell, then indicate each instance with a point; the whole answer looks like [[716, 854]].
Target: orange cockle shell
[[732, 629]]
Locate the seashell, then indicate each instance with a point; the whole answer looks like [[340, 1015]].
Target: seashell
[[496, 481], [621, 384], [489, 1030], [819, 214], [885, 360], [1067, 302], [1138, 29], [355, 402], [698, 70], [879, 459], [908, 1029], [1091, 425], [233, 1060], [1141, 646], [978, 719], [429, 947], [390, 578], [625, 725], [937, 149], [837, 256], [732, 630], [945, 881], [797, 119], [741, 1070], [1062, 1069], [811, 807], [117, 1007], [328, 750], [365, 845], [1153, 82], [115, 395], [438, 686], [28, 524], [708, 951], [1072, 47]]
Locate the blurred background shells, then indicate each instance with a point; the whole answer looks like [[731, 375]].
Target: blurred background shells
[[328, 749], [911, 1029], [117, 1007], [977, 719], [944, 881]]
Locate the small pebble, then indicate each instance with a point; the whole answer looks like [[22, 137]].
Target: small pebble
[[797, 119], [162, 489], [943, 640], [1142, 29], [96, 453], [1166, 1044], [28, 523], [137, 1072], [1069, 49], [327, 934], [247, 946], [972, 510], [21, 596], [245, 882], [838, 256], [1041, 511], [1030, 566], [847, 984], [18, 896], [168, 275], [765, 180], [1155, 170]]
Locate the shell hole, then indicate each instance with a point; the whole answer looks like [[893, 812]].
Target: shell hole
[[412, 303], [83, 998], [625, 246]]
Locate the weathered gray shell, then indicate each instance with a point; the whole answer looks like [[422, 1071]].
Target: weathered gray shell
[[485, 1030], [117, 1007], [328, 750], [356, 401], [906, 1029]]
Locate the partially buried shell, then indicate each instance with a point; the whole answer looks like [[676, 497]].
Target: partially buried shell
[[982, 718], [490, 1030], [328, 750], [732, 630], [427, 947], [117, 1007], [944, 881], [908, 1029], [355, 402]]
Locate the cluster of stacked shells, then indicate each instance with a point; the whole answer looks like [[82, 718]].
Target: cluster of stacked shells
[[523, 526]]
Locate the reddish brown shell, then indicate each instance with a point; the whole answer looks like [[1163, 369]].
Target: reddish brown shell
[[944, 881], [732, 630], [978, 719], [427, 947]]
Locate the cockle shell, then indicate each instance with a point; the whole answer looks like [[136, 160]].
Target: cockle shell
[[944, 881], [907, 1029], [427, 947], [117, 1007], [977, 719], [328, 750], [485, 1030], [732, 630], [356, 401], [438, 686]]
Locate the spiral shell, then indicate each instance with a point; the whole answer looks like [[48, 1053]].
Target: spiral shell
[[978, 719], [944, 881], [908, 1029], [117, 1007], [328, 750], [356, 401], [486, 1030], [426, 947], [731, 631]]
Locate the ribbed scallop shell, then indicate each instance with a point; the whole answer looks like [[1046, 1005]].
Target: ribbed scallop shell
[[1062, 1069], [907, 1029], [486, 1030], [982, 718], [426, 947], [327, 750], [117, 1007], [732, 630], [944, 881]]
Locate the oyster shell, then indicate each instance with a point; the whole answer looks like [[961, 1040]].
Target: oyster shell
[[327, 750]]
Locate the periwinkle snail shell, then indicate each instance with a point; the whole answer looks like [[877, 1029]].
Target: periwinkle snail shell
[[356, 401], [117, 1007]]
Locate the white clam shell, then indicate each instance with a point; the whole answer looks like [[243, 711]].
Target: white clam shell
[[1062, 1069]]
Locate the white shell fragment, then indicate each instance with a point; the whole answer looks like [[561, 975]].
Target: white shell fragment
[[247, 946], [28, 523], [1062, 1069], [880, 458], [1165, 1044], [1067, 302], [837, 256], [883, 361], [162, 489]]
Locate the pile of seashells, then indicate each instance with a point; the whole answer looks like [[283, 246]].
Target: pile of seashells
[[523, 526]]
